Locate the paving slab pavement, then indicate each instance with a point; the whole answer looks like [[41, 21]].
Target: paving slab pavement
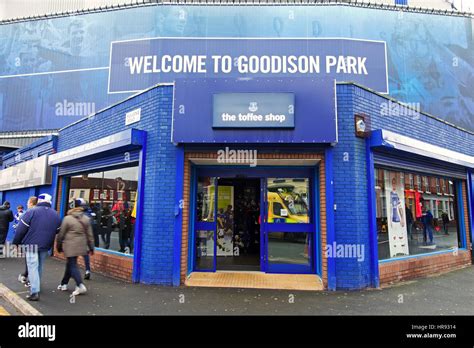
[[448, 294]]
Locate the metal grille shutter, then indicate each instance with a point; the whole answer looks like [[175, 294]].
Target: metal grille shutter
[[418, 164], [89, 164]]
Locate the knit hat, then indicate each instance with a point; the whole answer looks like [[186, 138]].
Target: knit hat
[[79, 202], [44, 197]]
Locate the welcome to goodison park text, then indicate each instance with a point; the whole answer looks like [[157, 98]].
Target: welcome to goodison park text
[[292, 64]]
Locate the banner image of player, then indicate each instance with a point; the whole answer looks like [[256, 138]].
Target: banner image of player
[[396, 219]]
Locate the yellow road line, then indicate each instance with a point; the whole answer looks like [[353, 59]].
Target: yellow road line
[[3, 311]]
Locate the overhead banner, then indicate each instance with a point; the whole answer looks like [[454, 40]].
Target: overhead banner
[[56, 70], [138, 64]]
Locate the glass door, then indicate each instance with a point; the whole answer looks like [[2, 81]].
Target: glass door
[[205, 224], [288, 225]]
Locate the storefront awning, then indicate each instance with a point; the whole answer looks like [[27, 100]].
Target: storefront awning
[[122, 140], [386, 139]]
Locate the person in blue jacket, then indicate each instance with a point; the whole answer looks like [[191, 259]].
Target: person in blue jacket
[[427, 221], [36, 232]]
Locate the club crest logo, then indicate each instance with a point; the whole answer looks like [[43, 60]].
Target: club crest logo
[[253, 106]]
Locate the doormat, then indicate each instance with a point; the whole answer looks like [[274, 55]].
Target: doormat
[[255, 280]]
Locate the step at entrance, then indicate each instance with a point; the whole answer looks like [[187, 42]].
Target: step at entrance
[[255, 280]]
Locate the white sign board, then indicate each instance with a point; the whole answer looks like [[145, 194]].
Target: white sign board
[[133, 116]]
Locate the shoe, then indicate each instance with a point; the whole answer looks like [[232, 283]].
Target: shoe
[[22, 279], [81, 289], [87, 276], [62, 287], [33, 297]]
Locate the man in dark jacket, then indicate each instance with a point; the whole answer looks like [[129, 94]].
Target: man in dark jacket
[[6, 216], [37, 230]]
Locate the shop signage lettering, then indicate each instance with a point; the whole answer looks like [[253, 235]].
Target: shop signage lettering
[[138, 64], [244, 64], [83, 148], [254, 110]]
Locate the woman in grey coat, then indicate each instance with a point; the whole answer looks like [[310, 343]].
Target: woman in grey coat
[[75, 239]]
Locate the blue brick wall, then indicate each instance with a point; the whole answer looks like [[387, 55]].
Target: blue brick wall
[[350, 177], [411, 124], [350, 195], [158, 216]]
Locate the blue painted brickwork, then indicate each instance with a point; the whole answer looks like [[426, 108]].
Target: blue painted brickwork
[[350, 177], [158, 218], [350, 195], [406, 122]]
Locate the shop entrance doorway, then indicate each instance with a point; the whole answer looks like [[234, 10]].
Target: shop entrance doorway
[[258, 219], [238, 227]]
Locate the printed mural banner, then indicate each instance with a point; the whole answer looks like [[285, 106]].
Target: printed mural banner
[[54, 71], [395, 203]]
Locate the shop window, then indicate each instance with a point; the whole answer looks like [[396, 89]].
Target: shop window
[[412, 223], [289, 248], [288, 200], [205, 199], [204, 250], [112, 216]]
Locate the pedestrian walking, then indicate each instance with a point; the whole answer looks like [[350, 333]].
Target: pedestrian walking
[[36, 231], [445, 218], [75, 239], [428, 227], [410, 221], [23, 277], [6, 216], [106, 224], [17, 216], [80, 202]]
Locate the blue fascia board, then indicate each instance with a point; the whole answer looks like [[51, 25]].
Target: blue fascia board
[[390, 140], [126, 138], [376, 139]]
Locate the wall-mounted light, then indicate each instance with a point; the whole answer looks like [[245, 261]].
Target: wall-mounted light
[[361, 129]]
